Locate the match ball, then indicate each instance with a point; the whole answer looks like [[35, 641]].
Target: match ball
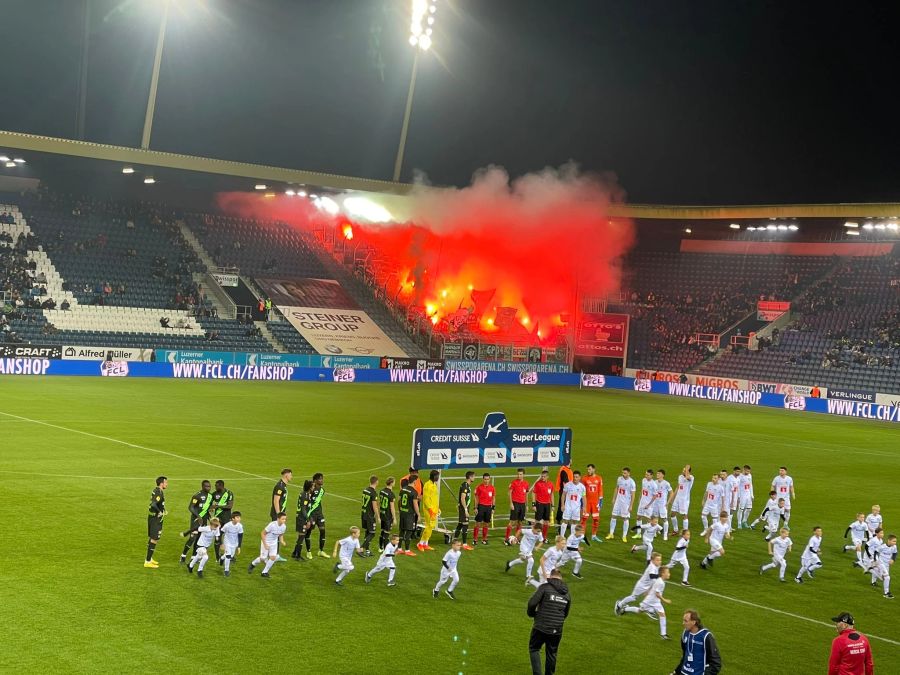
[[512, 540]]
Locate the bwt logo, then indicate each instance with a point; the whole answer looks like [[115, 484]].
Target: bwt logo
[[642, 385], [344, 375], [528, 378]]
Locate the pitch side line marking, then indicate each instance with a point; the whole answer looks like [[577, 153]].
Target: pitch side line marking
[[70, 475], [744, 602], [161, 452], [793, 444]]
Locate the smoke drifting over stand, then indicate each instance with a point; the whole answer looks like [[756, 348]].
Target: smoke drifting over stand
[[532, 245]]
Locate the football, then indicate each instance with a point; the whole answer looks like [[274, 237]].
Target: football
[[512, 540]]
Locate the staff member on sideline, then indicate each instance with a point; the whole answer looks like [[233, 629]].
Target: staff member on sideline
[[850, 651], [699, 651], [549, 606]]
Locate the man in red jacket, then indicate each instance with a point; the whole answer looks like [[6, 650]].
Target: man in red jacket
[[850, 651]]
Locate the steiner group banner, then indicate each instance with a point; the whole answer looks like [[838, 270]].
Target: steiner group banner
[[601, 334], [329, 319]]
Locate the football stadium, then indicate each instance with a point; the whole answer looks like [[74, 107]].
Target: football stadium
[[397, 375]]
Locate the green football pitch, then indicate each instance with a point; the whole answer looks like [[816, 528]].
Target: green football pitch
[[79, 457]]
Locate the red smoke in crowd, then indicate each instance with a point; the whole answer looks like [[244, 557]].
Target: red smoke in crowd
[[509, 256]]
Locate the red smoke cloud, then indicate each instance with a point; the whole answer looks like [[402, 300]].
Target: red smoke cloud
[[538, 241]]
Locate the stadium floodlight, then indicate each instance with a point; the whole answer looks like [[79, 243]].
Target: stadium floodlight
[[4, 159], [771, 227], [328, 205], [10, 165], [782, 228], [735, 226], [853, 233], [260, 186], [149, 180], [301, 193], [868, 226], [793, 228], [289, 193], [366, 209], [892, 226], [19, 160], [421, 29], [750, 228], [127, 169], [879, 226], [850, 223], [687, 230]]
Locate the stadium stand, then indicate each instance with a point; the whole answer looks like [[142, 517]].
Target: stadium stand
[[847, 334], [673, 296]]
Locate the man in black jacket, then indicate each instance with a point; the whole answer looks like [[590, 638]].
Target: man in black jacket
[[549, 606], [699, 651]]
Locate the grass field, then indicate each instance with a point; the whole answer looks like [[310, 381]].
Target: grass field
[[79, 456]]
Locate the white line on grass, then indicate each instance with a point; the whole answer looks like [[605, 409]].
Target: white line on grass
[[738, 435], [743, 602], [71, 475]]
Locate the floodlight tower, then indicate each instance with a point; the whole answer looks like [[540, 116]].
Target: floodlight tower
[[154, 79], [420, 31]]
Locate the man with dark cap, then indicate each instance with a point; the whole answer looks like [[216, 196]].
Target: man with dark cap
[[850, 651]]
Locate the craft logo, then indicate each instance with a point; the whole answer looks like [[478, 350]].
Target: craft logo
[[344, 375], [642, 385], [589, 380], [528, 378]]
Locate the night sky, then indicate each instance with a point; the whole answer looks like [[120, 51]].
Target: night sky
[[687, 102]]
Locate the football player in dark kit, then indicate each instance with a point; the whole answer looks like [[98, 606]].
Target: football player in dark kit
[[200, 505], [301, 524], [386, 509], [409, 514], [370, 516], [155, 519], [464, 503], [223, 502], [279, 500], [316, 515]]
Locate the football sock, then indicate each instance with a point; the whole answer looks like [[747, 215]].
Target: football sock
[[546, 528], [322, 539], [227, 562], [705, 522], [517, 561], [508, 529], [625, 525], [456, 581], [203, 560], [465, 533], [666, 529], [674, 522], [529, 568], [578, 564], [391, 572], [151, 547], [595, 526], [269, 563], [562, 529], [612, 527], [631, 610], [368, 540], [684, 524], [662, 624], [306, 541]]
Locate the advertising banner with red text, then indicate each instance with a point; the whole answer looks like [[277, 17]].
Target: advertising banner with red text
[[601, 334]]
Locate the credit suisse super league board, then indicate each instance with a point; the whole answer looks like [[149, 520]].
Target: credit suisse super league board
[[493, 444]]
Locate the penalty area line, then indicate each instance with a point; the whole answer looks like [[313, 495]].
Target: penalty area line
[[744, 602]]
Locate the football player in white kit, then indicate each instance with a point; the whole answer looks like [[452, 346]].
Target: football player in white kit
[[531, 541], [550, 560], [233, 538], [810, 561], [652, 604], [209, 534], [624, 503], [771, 514], [885, 557], [573, 550], [779, 547], [731, 489], [648, 532], [386, 561], [715, 535], [713, 501], [648, 499], [573, 493], [664, 496], [270, 537], [682, 501], [784, 488], [679, 556], [874, 520], [859, 532], [651, 573], [449, 564], [745, 497], [343, 551]]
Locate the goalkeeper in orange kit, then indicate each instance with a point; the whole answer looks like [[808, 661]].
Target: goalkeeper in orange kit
[[593, 500], [430, 509]]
